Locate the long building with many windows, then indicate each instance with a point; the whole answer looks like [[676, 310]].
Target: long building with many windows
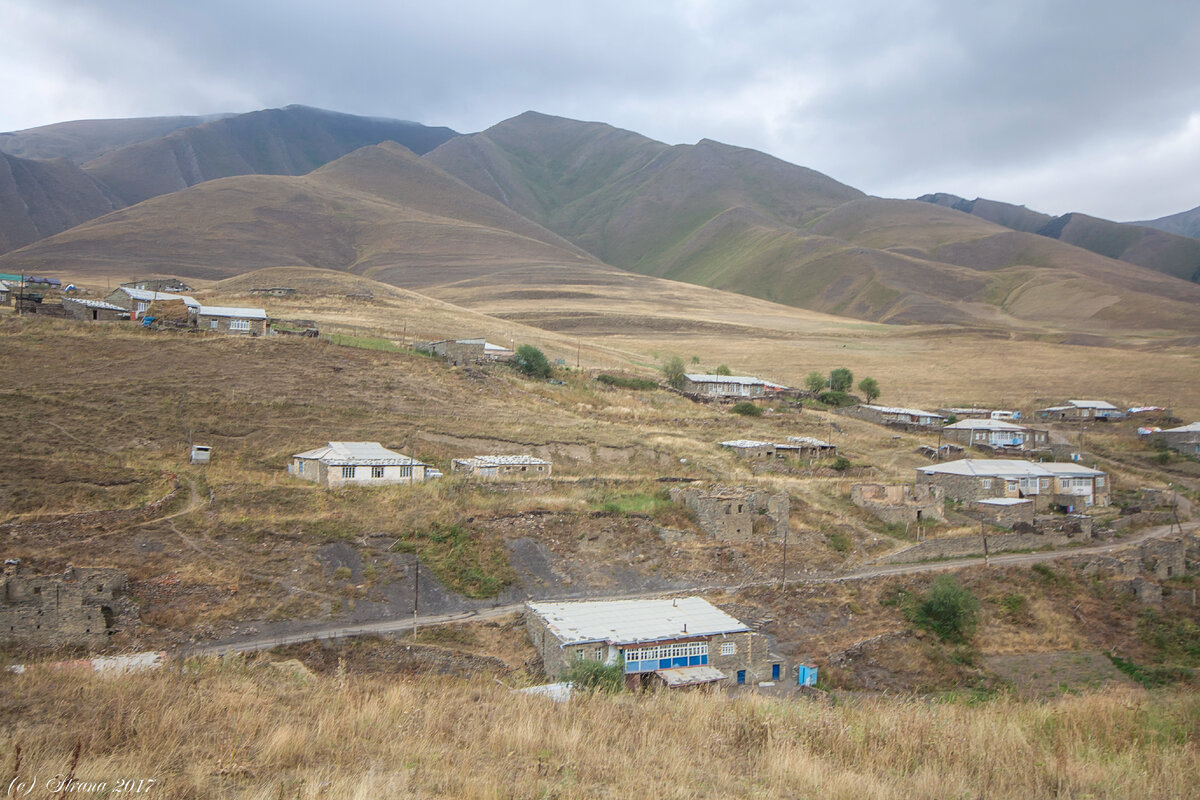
[[356, 464], [676, 642]]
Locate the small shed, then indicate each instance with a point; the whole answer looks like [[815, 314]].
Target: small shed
[[201, 454]]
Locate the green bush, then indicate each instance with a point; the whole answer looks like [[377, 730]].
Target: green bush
[[840, 541], [531, 361], [835, 398], [746, 409], [622, 382], [590, 676], [841, 464], [841, 379], [948, 610], [674, 372]]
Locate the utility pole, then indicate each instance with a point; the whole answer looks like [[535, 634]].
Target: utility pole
[[783, 572], [983, 535], [416, 592]]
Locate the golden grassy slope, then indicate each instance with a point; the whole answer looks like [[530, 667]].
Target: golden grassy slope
[[246, 731]]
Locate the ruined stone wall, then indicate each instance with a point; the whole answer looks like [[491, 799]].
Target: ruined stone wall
[[963, 546], [76, 607], [731, 514], [1004, 516], [900, 503]]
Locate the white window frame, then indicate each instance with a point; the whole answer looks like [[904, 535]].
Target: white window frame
[[987, 483], [728, 648], [376, 472], [347, 472], [406, 471], [239, 324]]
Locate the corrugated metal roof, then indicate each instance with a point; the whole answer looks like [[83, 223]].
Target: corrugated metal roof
[[232, 311], [1004, 501], [354, 453], [690, 676], [1192, 428], [1008, 468], [621, 622], [1100, 404], [739, 379], [145, 294], [746, 443], [916, 412], [984, 424]]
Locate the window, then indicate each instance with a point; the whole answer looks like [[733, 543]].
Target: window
[[1045, 483], [142, 306], [347, 472], [599, 653], [239, 324], [376, 472], [987, 483], [666, 651], [212, 324], [406, 472], [728, 648], [579, 654], [1099, 481]]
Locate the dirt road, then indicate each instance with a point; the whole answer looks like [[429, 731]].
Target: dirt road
[[252, 644]]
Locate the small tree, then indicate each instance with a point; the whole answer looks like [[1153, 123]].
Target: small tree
[[746, 409], [948, 610], [841, 379], [673, 372], [723, 370], [870, 388], [531, 361], [815, 382], [588, 675]]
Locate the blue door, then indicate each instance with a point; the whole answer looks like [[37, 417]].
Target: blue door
[[774, 672], [741, 676]]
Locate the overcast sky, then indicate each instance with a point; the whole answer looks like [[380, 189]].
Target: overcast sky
[[1061, 105]]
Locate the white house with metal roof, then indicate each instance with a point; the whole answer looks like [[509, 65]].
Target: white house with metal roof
[[521, 466], [729, 385], [1081, 411], [1059, 483], [356, 464], [995, 433], [679, 641], [230, 319], [895, 415]]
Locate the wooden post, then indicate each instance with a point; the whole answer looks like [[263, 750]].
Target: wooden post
[[983, 536], [416, 591]]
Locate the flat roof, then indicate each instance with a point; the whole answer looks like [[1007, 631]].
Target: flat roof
[[916, 412], [1004, 501], [1008, 468], [621, 622], [146, 294], [812, 441], [690, 676], [985, 424], [354, 453], [232, 311]]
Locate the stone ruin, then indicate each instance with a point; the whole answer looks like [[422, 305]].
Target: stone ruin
[[80, 606], [737, 513], [901, 502]]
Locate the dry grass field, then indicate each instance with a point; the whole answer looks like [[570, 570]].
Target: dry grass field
[[240, 730]]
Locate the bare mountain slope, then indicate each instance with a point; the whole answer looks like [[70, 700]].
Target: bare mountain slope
[[82, 140], [379, 211], [283, 141], [1147, 245], [1185, 223], [743, 221], [42, 198]]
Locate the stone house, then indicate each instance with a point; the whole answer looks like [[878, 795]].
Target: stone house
[[1067, 485], [980, 413], [736, 513], [1184, 439], [901, 503], [811, 447], [679, 642], [732, 386], [356, 464], [751, 448], [995, 433], [94, 310], [1081, 411], [136, 301], [1006, 512], [522, 466], [460, 352], [230, 319], [894, 415], [80, 607], [5, 295], [158, 285]]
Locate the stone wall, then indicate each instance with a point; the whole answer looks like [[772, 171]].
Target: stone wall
[[963, 546], [899, 503], [736, 513], [1006, 516], [76, 607]]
